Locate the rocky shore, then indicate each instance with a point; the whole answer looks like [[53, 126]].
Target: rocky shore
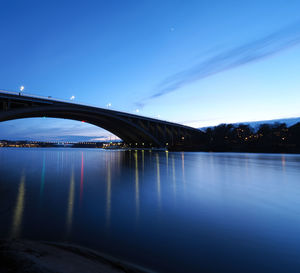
[[18, 256]]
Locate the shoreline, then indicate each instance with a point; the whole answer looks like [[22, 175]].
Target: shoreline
[[53, 257], [169, 150]]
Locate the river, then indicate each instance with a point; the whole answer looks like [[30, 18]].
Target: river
[[168, 211]]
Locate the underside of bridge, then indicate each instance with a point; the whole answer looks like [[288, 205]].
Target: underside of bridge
[[136, 131]]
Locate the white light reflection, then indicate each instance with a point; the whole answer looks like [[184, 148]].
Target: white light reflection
[[71, 202], [108, 193], [19, 208], [174, 176], [158, 180], [137, 196]]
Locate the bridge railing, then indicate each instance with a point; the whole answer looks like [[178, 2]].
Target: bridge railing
[[38, 96], [50, 98]]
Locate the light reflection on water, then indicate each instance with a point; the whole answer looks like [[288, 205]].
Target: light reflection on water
[[137, 197], [18, 213], [158, 180], [81, 177], [108, 194], [70, 202], [178, 212]]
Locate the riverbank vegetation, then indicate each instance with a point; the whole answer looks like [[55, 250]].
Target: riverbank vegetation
[[268, 138]]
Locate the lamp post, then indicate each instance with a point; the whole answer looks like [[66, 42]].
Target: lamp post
[[21, 90]]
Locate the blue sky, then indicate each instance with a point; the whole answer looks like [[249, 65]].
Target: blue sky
[[199, 63]]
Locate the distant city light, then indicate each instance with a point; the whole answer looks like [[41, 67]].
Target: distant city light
[[22, 88], [72, 98], [108, 105]]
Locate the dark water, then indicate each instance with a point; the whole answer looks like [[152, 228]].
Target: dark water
[[171, 212]]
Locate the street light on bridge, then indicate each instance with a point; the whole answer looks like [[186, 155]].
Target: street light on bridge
[[21, 89]]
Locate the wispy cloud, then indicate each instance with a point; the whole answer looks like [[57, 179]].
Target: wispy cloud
[[248, 53]]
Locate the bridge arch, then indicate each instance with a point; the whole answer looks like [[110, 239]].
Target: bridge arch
[[125, 129], [132, 129]]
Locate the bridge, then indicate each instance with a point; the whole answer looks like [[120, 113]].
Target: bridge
[[134, 130]]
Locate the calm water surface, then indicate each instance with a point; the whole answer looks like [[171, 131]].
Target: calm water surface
[[171, 212]]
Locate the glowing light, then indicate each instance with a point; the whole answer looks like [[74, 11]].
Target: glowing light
[[174, 176], [83, 121], [18, 213], [283, 161], [71, 201], [81, 177], [22, 88], [108, 105], [137, 110], [158, 180], [167, 162], [137, 198], [72, 98], [143, 160], [183, 175], [108, 194]]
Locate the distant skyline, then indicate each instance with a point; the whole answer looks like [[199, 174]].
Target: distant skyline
[[199, 63]]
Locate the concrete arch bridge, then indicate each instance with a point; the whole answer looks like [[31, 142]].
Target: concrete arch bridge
[[134, 130]]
